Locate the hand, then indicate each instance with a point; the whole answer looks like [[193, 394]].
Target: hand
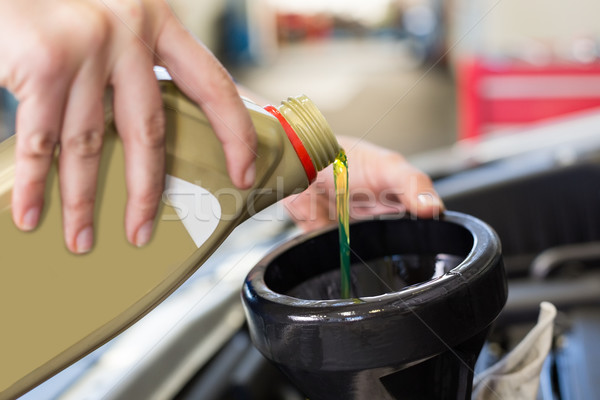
[[58, 58], [380, 182]]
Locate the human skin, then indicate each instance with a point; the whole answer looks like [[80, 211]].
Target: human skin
[[380, 181], [59, 57]]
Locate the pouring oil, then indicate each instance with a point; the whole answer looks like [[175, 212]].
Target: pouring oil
[[340, 175]]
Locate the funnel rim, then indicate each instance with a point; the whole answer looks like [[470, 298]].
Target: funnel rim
[[461, 274]]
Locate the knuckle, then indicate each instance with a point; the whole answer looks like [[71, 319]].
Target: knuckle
[[152, 130], [87, 144], [96, 31], [79, 204], [133, 13], [51, 60], [147, 202], [30, 187], [37, 145]]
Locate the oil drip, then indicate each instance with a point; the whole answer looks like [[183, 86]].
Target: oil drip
[[340, 175]]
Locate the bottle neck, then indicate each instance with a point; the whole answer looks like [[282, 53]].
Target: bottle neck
[[309, 133]]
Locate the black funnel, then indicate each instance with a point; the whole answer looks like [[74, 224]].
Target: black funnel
[[426, 292]]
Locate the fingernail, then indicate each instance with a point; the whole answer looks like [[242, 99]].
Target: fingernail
[[250, 175], [144, 234], [429, 200], [30, 219], [85, 240]]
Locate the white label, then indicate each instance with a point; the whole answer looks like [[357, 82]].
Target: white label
[[195, 206], [255, 107]]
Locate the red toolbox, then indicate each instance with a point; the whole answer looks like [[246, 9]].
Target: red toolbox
[[496, 95]]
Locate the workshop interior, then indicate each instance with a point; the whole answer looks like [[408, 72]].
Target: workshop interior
[[499, 102]]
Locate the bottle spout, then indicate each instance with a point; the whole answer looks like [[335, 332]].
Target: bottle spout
[[312, 130]]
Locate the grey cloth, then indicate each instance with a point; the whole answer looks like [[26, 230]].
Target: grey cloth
[[517, 375]]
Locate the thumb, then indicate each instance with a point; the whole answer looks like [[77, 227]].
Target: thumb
[[414, 188], [417, 194]]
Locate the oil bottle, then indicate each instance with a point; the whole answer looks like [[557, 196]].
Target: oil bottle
[[56, 307]]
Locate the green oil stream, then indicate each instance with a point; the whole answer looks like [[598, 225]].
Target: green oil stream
[[340, 175]]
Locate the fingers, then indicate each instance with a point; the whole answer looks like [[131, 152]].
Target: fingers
[[393, 183], [81, 145], [138, 115], [380, 182], [416, 192], [315, 207], [38, 125], [309, 211], [202, 78], [140, 122]]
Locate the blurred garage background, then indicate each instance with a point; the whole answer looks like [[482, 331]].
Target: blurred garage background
[[411, 75]]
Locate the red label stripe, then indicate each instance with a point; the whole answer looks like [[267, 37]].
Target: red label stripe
[[309, 168]]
